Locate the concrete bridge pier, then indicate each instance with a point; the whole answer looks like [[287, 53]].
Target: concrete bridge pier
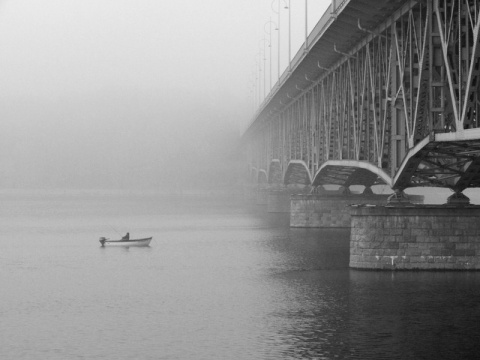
[[279, 198], [329, 208], [261, 195], [402, 236], [278, 201], [256, 194]]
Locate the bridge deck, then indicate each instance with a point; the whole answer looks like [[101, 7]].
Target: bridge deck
[[337, 31], [376, 79]]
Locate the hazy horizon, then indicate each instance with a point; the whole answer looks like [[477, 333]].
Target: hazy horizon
[[130, 94]]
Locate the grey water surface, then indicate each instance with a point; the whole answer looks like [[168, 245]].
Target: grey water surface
[[219, 281]]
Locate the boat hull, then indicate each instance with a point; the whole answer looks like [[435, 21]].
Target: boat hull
[[126, 243]]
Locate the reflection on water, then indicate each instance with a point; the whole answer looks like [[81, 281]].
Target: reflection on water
[[376, 315], [219, 281]]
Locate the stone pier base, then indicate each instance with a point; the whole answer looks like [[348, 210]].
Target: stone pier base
[[261, 196], [323, 210], [433, 237], [278, 198], [278, 201]]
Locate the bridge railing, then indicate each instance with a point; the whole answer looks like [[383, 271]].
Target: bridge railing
[[336, 5], [327, 18]]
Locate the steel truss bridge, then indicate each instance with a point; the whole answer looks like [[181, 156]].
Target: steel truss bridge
[[386, 92]]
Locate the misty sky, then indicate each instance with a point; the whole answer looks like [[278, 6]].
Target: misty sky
[[130, 93]]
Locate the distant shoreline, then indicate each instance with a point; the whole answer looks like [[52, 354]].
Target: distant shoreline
[[117, 192]]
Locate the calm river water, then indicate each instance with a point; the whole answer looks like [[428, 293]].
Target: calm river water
[[219, 281]]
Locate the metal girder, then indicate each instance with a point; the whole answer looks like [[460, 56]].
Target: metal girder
[[297, 173], [453, 164], [262, 177], [348, 172], [374, 93], [275, 174], [346, 177]]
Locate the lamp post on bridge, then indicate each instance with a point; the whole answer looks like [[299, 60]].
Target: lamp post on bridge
[[289, 32], [264, 66], [254, 87], [270, 22], [289, 37], [259, 67], [306, 25], [278, 28]]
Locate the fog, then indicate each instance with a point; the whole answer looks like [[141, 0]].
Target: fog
[[129, 94]]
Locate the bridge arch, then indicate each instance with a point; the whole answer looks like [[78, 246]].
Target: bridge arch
[[297, 173], [350, 172], [262, 177], [275, 172]]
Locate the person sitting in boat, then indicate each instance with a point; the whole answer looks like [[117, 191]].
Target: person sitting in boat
[[126, 237]]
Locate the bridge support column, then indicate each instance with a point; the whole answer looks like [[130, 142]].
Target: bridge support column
[[279, 197], [433, 237], [255, 194], [261, 195], [327, 209], [399, 198], [279, 201], [458, 198]]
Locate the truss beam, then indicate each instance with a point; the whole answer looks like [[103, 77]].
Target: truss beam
[[414, 73]]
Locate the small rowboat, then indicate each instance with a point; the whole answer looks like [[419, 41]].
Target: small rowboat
[[132, 242]]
